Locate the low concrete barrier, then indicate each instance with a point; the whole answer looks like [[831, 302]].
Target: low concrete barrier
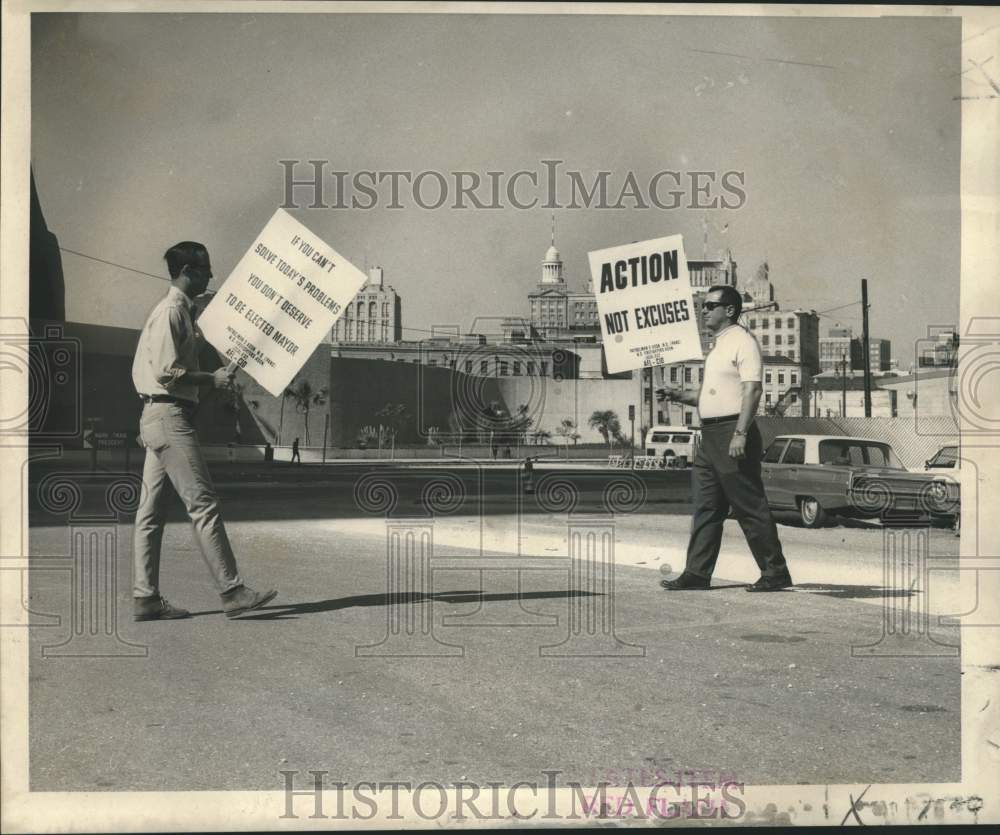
[[249, 453]]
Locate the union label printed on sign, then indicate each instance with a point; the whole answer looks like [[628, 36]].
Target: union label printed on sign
[[644, 304], [279, 302]]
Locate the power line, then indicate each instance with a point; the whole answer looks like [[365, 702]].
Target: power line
[[830, 310], [113, 264], [769, 60], [164, 278]]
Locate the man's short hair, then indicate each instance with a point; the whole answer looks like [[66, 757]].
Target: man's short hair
[[184, 254], [730, 296]]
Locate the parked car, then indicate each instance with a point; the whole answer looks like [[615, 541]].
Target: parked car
[[665, 442], [820, 475], [945, 458]]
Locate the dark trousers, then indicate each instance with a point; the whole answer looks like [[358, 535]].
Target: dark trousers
[[718, 483]]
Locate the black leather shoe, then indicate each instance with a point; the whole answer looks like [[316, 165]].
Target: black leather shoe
[[242, 600], [771, 584], [687, 582], [156, 608]]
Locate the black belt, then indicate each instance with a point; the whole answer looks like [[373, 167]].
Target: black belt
[[724, 419], [166, 398]]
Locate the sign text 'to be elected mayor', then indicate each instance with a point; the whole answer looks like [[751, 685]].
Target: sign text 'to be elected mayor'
[[279, 302]]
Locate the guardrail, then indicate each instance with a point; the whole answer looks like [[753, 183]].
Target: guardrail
[[648, 462]]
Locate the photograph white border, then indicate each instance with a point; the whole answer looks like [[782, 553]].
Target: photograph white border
[[25, 811]]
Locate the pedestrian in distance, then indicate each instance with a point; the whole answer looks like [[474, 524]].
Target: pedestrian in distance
[[167, 377], [295, 452], [727, 469]]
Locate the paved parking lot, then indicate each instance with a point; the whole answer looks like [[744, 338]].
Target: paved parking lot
[[504, 661]]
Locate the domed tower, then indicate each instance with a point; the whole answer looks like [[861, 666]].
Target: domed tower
[[552, 265]]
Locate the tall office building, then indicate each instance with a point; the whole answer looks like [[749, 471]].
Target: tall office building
[[791, 335], [759, 291], [879, 351], [374, 316], [835, 348]]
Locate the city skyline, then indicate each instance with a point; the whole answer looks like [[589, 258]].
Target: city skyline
[[844, 130]]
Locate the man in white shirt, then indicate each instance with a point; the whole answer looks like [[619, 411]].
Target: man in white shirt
[[726, 471], [166, 375]]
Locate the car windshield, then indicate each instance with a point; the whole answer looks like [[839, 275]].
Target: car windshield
[[853, 453], [774, 451], [946, 457]]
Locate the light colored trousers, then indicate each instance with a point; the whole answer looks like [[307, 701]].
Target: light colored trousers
[[172, 453]]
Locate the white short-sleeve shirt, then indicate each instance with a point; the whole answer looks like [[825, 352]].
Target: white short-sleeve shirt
[[735, 359]]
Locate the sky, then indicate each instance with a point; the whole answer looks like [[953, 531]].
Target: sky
[[148, 129]]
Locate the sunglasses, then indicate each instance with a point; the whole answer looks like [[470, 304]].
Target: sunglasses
[[713, 305]]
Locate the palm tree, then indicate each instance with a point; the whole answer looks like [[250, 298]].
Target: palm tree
[[520, 423], [541, 436], [394, 416], [305, 397], [567, 429], [606, 422], [281, 415], [234, 401]]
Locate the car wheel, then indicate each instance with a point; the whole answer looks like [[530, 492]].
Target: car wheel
[[810, 512]]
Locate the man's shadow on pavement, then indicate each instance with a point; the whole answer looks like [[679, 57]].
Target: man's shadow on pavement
[[710, 588], [838, 590], [294, 610]]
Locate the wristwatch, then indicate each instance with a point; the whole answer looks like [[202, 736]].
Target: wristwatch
[[738, 432]]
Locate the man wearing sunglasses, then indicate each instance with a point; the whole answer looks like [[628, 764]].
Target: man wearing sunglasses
[[727, 469], [166, 375]]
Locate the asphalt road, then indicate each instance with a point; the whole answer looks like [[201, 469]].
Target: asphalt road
[[762, 688]]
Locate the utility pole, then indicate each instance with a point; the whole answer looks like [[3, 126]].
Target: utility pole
[[631, 417], [843, 385], [642, 389], [865, 349], [680, 403], [651, 400]]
